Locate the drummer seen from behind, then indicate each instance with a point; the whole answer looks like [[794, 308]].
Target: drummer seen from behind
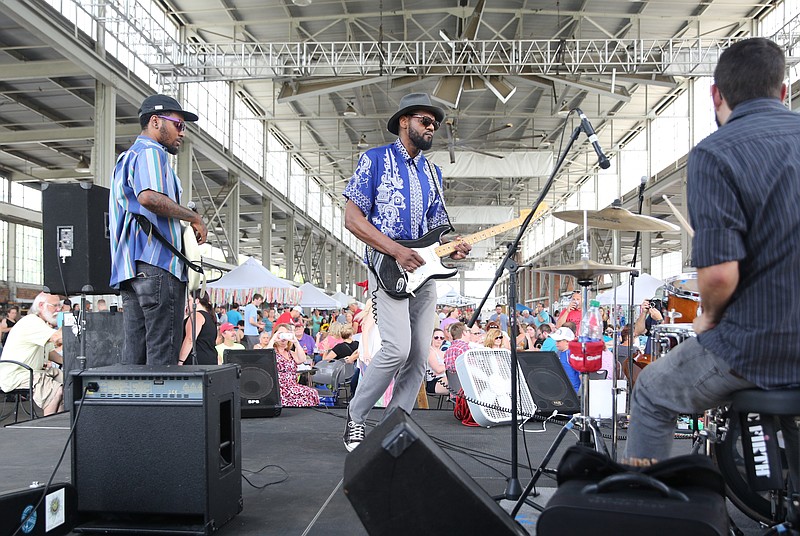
[[572, 312], [742, 185]]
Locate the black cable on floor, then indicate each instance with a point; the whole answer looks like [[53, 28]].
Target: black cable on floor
[[284, 479]]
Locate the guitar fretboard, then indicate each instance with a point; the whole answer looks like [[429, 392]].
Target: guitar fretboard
[[450, 247]]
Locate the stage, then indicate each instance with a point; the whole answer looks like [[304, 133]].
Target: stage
[[304, 458]]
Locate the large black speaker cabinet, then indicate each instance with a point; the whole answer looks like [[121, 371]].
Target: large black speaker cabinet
[[548, 383], [157, 449], [259, 387], [105, 342], [400, 482], [75, 220]]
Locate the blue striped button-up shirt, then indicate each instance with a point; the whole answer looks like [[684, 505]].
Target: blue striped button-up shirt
[[144, 166], [743, 192]]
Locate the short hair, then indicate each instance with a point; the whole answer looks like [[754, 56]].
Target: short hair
[[545, 328], [750, 69], [335, 329], [347, 332], [625, 333], [145, 118], [571, 325], [257, 296], [456, 330]]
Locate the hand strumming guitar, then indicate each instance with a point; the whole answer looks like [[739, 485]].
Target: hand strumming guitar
[[409, 259]]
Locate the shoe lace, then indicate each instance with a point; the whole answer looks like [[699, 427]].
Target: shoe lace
[[355, 431]]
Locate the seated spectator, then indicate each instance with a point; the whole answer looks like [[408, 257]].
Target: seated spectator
[[563, 336], [496, 339], [12, 317], [31, 342], [229, 341], [347, 349], [462, 337], [436, 369], [548, 344], [263, 340], [333, 338], [624, 348], [288, 355], [527, 340], [304, 339]]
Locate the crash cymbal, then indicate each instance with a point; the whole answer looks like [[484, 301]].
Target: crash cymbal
[[584, 269], [616, 219]]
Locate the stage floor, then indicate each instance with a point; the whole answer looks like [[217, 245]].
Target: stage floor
[[304, 458]]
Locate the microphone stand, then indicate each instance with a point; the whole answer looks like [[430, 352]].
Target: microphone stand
[[631, 285], [513, 487]]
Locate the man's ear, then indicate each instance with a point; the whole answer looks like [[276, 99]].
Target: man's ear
[[716, 96]]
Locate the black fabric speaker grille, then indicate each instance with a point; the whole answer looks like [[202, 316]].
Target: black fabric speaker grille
[[548, 383], [398, 475], [256, 382]]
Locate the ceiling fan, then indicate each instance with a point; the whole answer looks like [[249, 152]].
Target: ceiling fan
[[453, 141]]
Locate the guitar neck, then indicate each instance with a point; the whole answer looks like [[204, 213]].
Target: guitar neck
[[446, 249]]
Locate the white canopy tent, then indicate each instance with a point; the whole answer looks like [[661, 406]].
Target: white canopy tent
[[342, 298], [315, 298], [644, 288], [251, 277]]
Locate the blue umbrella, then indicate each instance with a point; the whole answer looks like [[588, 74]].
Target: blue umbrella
[[521, 308]]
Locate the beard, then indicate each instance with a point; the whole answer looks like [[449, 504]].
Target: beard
[[419, 140], [49, 317], [171, 149]]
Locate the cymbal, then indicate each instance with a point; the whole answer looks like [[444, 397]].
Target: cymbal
[[584, 269], [616, 219]]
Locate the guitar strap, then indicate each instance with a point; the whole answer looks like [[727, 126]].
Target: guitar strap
[[151, 230], [438, 187]]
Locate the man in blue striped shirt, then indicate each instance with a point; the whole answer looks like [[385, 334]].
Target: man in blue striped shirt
[[743, 187], [151, 279]]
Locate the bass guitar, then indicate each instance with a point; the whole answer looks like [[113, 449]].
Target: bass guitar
[[400, 283]]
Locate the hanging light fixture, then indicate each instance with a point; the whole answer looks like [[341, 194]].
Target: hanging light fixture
[[350, 111], [82, 166], [362, 143], [301, 3]]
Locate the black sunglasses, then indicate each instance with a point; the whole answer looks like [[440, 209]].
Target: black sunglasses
[[427, 121], [498, 338], [438, 338]]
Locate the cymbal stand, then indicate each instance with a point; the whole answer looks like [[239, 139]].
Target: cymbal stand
[[589, 433]]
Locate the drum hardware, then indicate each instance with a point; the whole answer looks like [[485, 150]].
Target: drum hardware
[[672, 314], [616, 218], [589, 433]]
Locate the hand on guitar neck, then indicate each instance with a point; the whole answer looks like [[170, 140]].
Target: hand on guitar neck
[[462, 249]]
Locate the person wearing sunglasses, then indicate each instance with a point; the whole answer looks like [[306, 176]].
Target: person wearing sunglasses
[[150, 277], [396, 194], [436, 368]]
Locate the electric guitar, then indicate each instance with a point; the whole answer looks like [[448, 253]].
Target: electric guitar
[[400, 283]]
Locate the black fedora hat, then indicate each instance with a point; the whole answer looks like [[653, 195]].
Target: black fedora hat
[[164, 103], [411, 103]]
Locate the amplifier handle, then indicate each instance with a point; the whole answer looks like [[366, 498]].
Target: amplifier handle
[[634, 480]]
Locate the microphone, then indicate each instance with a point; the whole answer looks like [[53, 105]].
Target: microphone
[[587, 128], [642, 185]]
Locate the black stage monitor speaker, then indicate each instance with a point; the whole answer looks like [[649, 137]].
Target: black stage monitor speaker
[[75, 224], [261, 394], [157, 449], [105, 341], [398, 473], [548, 383]]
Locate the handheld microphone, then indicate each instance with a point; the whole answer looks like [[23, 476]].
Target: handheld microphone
[[587, 128]]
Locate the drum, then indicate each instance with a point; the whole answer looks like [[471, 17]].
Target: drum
[[683, 297], [668, 336]]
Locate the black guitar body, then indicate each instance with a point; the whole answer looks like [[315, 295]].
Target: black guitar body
[[398, 283]]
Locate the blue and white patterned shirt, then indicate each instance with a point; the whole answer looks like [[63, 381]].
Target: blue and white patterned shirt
[[396, 193], [145, 166], [743, 186]]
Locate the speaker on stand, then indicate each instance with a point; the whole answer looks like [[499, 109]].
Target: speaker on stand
[[76, 244], [260, 389]]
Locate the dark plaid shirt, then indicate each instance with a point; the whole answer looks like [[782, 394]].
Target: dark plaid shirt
[[744, 202]]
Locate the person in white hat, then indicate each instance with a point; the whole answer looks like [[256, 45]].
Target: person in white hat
[[563, 336], [396, 194]]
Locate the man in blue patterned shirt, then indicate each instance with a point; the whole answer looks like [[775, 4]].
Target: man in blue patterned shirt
[[151, 279], [395, 194], [743, 186]]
